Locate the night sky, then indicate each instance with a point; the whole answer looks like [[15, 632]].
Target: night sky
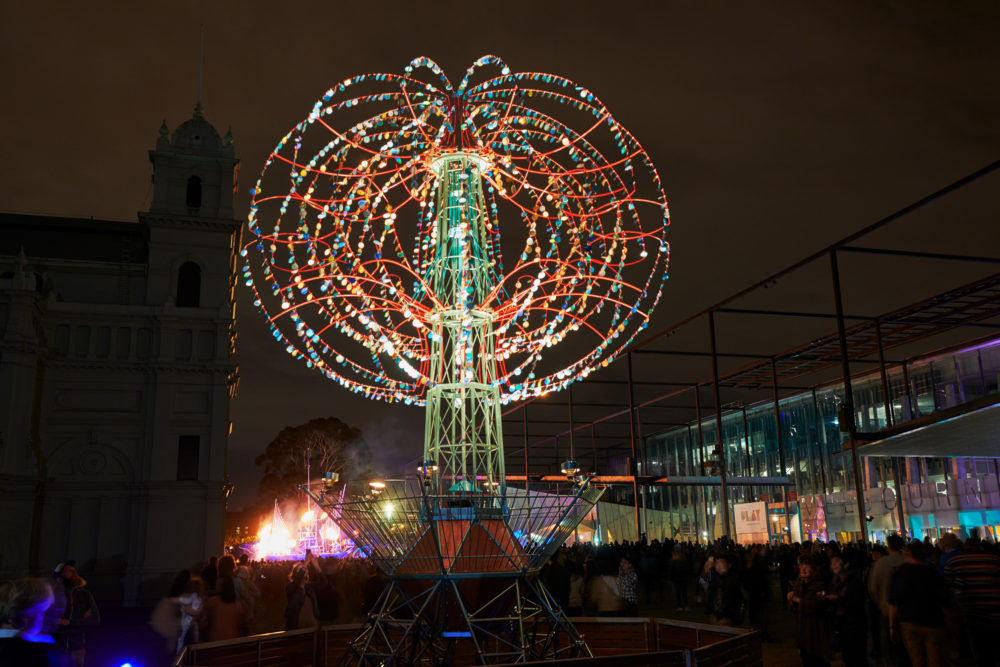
[[777, 127]]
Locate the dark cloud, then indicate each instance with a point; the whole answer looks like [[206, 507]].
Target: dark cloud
[[777, 127]]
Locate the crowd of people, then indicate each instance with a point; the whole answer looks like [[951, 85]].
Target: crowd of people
[[43, 621], [234, 597], [900, 604]]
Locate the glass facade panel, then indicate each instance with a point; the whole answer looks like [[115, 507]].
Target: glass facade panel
[[819, 469]]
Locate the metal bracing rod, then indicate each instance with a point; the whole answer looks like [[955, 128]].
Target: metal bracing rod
[[845, 364], [577, 427], [889, 419], [922, 255], [720, 444], [781, 444], [850, 238], [569, 396], [593, 444], [678, 353], [647, 383], [612, 405], [633, 433], [550, 438]]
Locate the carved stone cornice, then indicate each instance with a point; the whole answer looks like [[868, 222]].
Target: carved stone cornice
[[131, 366], [187, 222]]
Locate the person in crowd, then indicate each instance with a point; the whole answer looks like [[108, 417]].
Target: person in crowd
[[846, 594], [705, 576], [23, 642], [627, 586], [576, 589], [680, 578], [973, 579], [225, 617], [555, 576], [604, 594], [311, 564], [175, 617], [227, 570], [808, 601], [249, 591], [651, 572], [917, 598], [374, 585], [302, 609], [949, 546], [786, 571], [878, 588], [725, 596], [755, 581], [874, 610], [327, 595], [210, 573], [79, 612]]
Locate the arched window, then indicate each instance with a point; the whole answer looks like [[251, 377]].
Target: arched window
[[194, 192], [189, 285]]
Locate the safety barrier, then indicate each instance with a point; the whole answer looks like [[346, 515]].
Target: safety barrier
[[615, 642]]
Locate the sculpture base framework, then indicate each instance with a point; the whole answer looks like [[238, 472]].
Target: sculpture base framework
[[462, 572]]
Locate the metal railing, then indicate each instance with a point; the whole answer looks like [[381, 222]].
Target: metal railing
[[616, 642]]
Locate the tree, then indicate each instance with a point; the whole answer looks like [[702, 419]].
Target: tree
[[330, 445]]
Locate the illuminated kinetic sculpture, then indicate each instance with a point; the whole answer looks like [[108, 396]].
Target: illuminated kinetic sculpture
[[381, 225]]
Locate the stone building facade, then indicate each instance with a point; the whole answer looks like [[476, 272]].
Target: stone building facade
[[116, 373]]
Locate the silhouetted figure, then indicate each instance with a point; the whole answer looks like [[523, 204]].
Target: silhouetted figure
[[878, 587], [23, 642], [225, 617], [725, 596], [846, 593], [809, 603], [302, 609], [973, 578], [758, 593], [80, 612], [917, 598], [210, 573]]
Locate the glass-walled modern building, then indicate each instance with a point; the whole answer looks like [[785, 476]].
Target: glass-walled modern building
[[922, 496]]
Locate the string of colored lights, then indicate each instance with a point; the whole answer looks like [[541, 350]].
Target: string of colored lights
[[343, 222]]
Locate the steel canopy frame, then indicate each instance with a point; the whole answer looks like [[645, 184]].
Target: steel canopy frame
[[975, 305]]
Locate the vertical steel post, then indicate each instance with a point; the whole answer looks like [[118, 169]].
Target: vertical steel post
[[749, 455], [701, 450], [821, 444], [572, 453], [720, 444], [886, 402], [527, 479], [690, 493], [845, 365], [632, 439], [781, 445], [909, 412], [593, 444], [890, 421]]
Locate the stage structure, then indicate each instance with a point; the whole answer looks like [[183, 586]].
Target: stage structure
[[458, 248]]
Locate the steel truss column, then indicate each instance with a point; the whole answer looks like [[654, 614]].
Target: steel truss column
[[889, 421], [845, 366], [781, 444], [633, 428], [720, 440]]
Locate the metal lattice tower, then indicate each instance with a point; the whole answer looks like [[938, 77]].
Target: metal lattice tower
[[377, 256], [463, 433]]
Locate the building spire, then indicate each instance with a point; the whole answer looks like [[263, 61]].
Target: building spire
[[198, 111]]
